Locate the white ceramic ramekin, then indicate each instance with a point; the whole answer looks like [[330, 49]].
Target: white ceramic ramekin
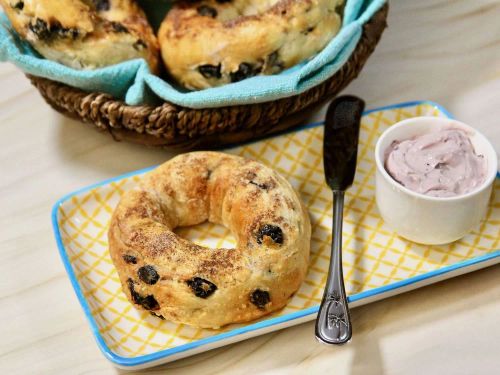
[[425, 219]]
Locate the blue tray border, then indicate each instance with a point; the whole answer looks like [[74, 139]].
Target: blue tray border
[[144, 359]]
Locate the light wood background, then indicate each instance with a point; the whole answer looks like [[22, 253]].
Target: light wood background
[[446, 51]]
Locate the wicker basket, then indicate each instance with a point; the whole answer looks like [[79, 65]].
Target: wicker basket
[[173, 126]]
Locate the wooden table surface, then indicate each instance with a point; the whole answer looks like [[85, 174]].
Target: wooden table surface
[[446, 51]]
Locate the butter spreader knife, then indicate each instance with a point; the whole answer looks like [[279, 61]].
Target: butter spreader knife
[[340, 146]]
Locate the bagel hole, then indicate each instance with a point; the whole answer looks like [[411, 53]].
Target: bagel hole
[[214, 236]]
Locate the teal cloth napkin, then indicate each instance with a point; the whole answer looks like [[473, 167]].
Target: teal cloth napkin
[[133, 82]]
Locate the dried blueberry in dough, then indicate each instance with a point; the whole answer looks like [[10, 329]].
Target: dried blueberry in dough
[[47, 32], [260, 298], [135, 296], [245, 70], [210, 71], [19, 5], [101, 5], [148, 275], [308, 30], [273, 61], [205, 10], [56, 29], [157, 315], [40, 29], [118, 27], [139, 45], [272, 231], [202, 288], [148, 302], [130, 259]]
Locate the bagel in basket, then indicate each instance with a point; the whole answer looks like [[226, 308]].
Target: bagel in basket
[[85, 34], [186, 283], [215, 42]]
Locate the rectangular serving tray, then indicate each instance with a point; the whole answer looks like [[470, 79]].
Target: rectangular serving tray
[[377, 263]]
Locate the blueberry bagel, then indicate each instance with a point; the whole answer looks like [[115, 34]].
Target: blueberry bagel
[[180, 281], [85, 34], [214, 42]]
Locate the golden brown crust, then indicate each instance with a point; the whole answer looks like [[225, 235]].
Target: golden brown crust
[[85, 34], [209, 43], [264, 214]]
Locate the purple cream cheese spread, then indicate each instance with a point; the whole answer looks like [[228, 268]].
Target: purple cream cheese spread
[[439, 164]]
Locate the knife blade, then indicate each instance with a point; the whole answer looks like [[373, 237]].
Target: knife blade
[[340, 146]]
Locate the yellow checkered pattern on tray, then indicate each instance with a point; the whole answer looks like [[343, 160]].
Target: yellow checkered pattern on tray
[[373, 255]]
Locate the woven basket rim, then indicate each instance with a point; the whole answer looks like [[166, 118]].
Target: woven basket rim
[[169, 124]]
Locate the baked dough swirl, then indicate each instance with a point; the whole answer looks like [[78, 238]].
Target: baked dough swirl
[[186, 283], [85, 34], [215, 42]]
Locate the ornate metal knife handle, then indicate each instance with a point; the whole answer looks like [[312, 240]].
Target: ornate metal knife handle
[[333, 325]]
